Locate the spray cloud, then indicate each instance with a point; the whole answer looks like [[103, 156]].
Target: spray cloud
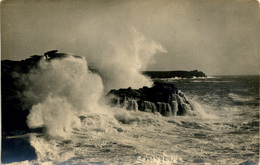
[[120, 55], [60, 90]]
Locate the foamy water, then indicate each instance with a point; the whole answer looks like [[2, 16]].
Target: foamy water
[[145, 138]]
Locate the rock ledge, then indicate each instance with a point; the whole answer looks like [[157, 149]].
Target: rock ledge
[[163, 98]]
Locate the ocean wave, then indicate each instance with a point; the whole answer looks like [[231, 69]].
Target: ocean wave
[[239, 98]]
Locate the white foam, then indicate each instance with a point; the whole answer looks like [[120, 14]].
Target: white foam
[[60, 91], [56, 114], [239, 98]]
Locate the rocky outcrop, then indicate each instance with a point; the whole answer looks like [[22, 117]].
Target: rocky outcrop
[[170, 74], [163, 98]]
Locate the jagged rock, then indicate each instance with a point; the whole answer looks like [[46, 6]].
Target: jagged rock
[[164, 98], [164, 109], [147, 106], [174, 106]]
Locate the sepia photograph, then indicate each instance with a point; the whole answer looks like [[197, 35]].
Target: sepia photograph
[[130, 82]]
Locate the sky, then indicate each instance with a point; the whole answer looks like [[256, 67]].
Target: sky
[[218, 37]]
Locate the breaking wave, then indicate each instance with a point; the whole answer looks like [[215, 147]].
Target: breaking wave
[[238, 98], [60, 91]]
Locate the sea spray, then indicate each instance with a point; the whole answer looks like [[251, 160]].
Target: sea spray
[[61, 90], [56, 114], [120, 58]]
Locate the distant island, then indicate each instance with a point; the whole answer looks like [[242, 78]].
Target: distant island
[[172, 74]]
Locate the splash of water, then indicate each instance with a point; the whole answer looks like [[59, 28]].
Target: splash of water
[[121, 58], [60, 91]]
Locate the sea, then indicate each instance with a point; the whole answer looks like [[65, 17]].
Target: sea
[[224, 129]]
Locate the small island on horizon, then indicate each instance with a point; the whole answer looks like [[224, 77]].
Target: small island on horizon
[[172, 74]]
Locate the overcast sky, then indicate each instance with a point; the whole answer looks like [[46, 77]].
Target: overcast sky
[[214, 36]]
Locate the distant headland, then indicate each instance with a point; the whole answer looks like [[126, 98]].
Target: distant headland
[[172, 74]]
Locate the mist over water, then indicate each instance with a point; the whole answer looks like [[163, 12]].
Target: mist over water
[[119, 56]]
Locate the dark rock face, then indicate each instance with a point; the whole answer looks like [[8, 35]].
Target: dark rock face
[[162, 98], [170, 74], [16, 150], [12, 86]]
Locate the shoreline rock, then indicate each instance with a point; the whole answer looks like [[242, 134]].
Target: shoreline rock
[[163, 98]]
